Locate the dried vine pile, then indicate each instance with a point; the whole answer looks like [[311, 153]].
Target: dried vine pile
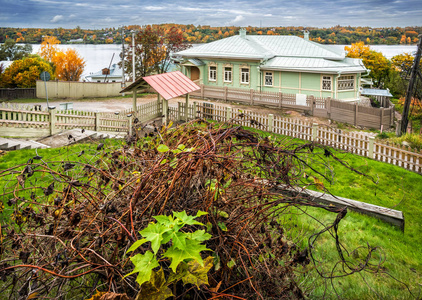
[[71, 222]]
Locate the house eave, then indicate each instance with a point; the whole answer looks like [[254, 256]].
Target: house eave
[[322, 71]]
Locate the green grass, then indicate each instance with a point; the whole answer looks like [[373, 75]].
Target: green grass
[[54, 156], [395, 188]]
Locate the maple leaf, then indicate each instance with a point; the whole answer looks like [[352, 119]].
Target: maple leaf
[[144, 263], [136, 245], [199, 235], [178, 238], [154, 234], [187, 220], [190, 251], [155, 288], [198, 274]]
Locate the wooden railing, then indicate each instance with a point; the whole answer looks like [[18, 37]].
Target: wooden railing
[[351, 113], [24, 121], [353, 142]]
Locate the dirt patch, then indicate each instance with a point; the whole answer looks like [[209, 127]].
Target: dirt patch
[[122, 103]]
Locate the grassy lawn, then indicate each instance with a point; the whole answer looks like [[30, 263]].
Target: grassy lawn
[[394, 187]]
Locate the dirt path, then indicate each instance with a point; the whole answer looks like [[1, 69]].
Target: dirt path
[[118, 104]]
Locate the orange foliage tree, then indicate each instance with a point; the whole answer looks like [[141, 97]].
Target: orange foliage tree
[[69, 65], [23, 73]]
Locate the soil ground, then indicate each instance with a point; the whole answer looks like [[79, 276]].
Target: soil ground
[[121, 103]]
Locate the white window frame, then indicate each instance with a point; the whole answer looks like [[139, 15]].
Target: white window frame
[[346, 83], [212, 73], [228, 74], [324, 80], [270, 75], [244, 74]]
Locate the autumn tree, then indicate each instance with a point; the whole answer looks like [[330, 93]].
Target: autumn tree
[[10, 51], [402, 62], [49, 48], [69, 66], [373, 60], [153, 46], [23, 73]]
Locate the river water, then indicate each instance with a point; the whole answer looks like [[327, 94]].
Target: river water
[[98, 57]]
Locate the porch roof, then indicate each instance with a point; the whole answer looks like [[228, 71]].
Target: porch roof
[[376, 92], [168, 85]]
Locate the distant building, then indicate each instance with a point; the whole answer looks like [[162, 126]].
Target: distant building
[[275, 63], [114, 74]]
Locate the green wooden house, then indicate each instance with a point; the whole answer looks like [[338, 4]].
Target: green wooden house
[[286, 64]]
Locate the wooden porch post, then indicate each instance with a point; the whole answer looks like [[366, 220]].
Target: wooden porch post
[[187, 107], [134, 101]]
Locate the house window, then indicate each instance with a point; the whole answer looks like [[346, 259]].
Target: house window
[[268, 80], [227, 74], [244, 75], [326, 83], [346, 82], [213, 74]]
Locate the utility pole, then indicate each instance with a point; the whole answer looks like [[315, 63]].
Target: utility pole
[[409, 94], [133, 71], [123, 59]]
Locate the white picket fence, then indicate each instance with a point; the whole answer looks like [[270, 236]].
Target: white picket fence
[[351, 142], [24, 121]]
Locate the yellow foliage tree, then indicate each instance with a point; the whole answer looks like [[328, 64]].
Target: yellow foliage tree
[[69, 65], [23, 73], [49, 48], [373, 60]]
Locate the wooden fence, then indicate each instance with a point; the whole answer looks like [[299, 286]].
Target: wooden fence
[[24, 121], [340, 111], [11, 94], [356, 143]]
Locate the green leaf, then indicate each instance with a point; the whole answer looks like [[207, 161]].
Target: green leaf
[[173, 163], [136, 245], [162, 148], [222, 226], [163, 161], [144, 263], [198, 274], [199, 235], [188, 220], [209, 227], [181, 147], [155, 288], [165, 220], [181, 271], [222, 214], [178, 238], [154, 234], [191, 251], [231, 263], [217, 263], [201, 213]]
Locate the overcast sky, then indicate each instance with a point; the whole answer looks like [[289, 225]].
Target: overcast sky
[[90, 14]]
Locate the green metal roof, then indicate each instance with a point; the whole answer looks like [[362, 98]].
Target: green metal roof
[[315, 65], [262, 47], [278, 52]]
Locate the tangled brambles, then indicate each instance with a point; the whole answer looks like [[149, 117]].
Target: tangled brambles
[[73, 221]]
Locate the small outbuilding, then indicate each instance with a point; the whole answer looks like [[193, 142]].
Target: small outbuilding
[[167, 86]]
